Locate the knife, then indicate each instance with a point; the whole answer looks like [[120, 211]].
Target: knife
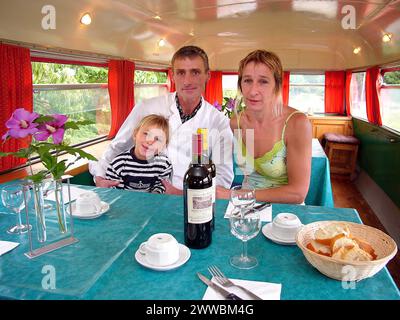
[[227, 295]]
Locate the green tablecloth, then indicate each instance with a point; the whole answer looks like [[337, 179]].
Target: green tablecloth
[[320, 190], [102, 265]]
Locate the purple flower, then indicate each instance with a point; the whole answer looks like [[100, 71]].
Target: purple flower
[[21, 124], [231, 104], [54, 128], [217, 105]]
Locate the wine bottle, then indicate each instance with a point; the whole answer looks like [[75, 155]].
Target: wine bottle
[[211, 168], [197, 195]]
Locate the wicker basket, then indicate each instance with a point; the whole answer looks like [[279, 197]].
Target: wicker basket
[[385, 248]]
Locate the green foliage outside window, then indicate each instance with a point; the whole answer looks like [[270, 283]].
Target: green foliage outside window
[[150, 77], [392, 78], [78, 104]]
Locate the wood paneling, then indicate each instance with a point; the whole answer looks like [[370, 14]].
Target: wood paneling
[[334, 124]]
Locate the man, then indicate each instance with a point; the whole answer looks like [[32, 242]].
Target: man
[[186, 111]]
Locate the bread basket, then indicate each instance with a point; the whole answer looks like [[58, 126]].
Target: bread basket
[[385, 248]]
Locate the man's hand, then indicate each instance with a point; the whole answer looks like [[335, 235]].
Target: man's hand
[[170, 189], [105, 183]]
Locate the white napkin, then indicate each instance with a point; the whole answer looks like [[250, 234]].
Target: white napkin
[[265, 290], [6, 246], [75, 192], [265, 214]]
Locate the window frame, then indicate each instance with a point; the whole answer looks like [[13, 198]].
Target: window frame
[[55, 59], [389, 87], [293, 85]]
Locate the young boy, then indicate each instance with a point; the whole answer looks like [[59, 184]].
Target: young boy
[[143, 167]]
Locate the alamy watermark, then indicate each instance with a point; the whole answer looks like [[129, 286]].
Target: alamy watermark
[[49, 280], [349, 20], [349, 277], [49, 20]]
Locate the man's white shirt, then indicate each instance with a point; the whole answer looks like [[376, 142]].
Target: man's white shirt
[[179, 149]]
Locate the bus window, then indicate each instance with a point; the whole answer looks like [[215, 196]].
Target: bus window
[[357, 96], [149, 84], [390, 100], [307, 92], [78, 91]]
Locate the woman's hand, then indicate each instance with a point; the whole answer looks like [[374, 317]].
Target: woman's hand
[[170, 189], [223, 193]]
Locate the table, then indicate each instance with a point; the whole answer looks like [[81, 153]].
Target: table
[[320, 190], [102, 266]]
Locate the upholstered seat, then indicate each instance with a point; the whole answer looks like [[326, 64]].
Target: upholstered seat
[[340, 138]]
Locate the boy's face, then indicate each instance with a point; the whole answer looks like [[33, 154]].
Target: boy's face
[[149, 141]]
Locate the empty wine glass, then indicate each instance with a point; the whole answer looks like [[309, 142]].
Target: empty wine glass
[[12, 197], [245, 224]]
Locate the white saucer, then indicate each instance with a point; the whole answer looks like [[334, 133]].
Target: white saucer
[[184, 255], [267, 231], [104, 208]]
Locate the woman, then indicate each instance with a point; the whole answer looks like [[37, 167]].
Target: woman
[[274, 140]]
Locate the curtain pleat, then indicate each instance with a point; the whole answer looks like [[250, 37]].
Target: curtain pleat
[[334, 91], [16, 91], [213, 92], [121, 89], [285, 87], [372, 89]]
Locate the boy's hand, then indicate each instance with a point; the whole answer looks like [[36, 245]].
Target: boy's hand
[[105, 183], [170, 189]]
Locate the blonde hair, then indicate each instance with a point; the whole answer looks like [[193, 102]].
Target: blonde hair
[[272, 61], [156, 121]]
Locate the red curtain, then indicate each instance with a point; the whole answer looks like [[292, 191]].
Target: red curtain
[[285, 87], [334, 91], [348, 92], [213, 91], [120, 87], [170, 81], [372, 88], [16, 91]]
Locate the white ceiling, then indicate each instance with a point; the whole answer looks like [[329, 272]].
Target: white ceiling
[[306, 34]]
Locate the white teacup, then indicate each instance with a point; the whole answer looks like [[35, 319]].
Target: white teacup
[[161, 249], [88, 203], [285, 226]]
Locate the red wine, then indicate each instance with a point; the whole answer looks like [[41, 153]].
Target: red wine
[[210, 167], [197, 195]]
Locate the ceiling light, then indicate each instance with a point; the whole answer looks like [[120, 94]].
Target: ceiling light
[[387, 37], [157, 17], [357, 50], [161, 43], [86, 19]]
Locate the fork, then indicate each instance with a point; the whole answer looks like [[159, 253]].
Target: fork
[[224, 281]]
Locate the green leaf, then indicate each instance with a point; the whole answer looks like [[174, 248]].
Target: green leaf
[[75, 124], [59, 170], [43, 119], [37, 177], [47, 159], [71, 125]]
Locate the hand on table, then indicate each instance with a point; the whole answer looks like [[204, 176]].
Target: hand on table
[[170, 189], [223, 193], [105, 183]]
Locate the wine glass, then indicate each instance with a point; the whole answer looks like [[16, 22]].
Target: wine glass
[[12, 197], [245, 224]]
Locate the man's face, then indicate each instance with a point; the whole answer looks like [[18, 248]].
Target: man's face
[[190, 78]]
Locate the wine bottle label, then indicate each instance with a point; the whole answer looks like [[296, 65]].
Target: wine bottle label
[[214, 187], [199, 205]]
